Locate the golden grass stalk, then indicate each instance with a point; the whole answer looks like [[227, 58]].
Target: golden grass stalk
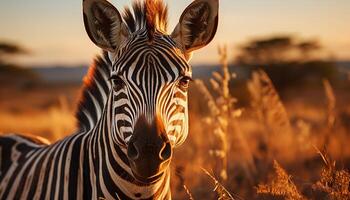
[[335, 183], [226, 73], [179, 173], [266, 101], [222, 119], [331, 103], [331, 111], [272, 115], [188, 192], [281, 185], [223, 193]]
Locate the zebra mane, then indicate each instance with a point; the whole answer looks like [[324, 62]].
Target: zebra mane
[[152, 14], [94, 92]]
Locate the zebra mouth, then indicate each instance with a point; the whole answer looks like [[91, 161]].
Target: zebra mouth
[[147, 180]]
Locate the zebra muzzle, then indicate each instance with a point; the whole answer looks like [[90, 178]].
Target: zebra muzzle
[[149, 150]]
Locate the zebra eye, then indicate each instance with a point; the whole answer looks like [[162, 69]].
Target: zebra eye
[[117, 82], [185, 82]]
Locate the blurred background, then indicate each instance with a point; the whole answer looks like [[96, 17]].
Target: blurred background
[[276, 78]]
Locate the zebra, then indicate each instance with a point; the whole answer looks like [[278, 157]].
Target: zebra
[[132, 112]]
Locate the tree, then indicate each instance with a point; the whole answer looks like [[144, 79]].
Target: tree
[[306, 48], [265, 51], [277, 49], [9, 72], [8, 49], [287, 60]]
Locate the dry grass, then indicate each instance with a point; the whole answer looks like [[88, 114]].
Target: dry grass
[[179, 174], [331, 103], [222, 192], [222, 119], [335, 183], [272, 116], [53, 123], [330, 111], [281, 185]]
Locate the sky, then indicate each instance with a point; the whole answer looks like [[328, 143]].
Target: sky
[[53, 30]]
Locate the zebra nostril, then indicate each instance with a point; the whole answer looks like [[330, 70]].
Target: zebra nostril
[[133, 153], [165, 153]]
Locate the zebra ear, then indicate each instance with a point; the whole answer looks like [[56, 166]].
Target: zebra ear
[[197, 25], [103, 24]]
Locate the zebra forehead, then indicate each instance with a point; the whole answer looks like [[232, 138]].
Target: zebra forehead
[[159, 58]]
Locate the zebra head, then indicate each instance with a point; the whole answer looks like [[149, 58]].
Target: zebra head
[[150, 75]]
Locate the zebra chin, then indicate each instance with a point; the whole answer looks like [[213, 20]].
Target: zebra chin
[[147, 171], [149, 151], [150, 179]]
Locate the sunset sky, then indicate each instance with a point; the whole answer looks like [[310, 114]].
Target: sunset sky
[[53, 29]]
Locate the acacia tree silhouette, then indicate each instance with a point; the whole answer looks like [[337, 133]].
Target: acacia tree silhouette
[[9, 70], [277, 49], [287, 60], [8, 49]]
